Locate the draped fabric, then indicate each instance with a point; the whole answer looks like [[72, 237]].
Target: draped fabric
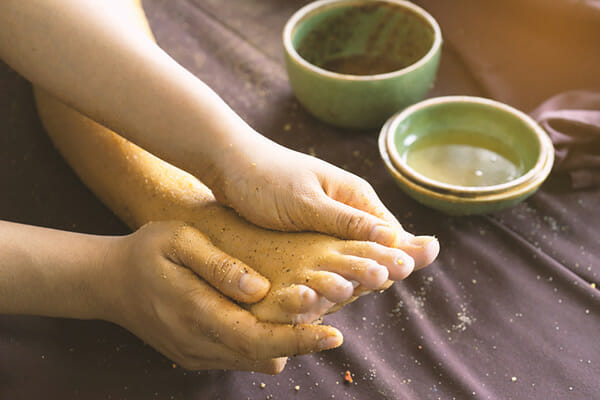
[[572, 120], [510, 310]]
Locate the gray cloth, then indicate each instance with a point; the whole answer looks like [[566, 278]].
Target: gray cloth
[[506, 312]]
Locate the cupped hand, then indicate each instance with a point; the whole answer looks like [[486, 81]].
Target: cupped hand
[[160, 292], [278, 188]]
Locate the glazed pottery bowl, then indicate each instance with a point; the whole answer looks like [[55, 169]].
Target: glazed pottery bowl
[[354, 63], [466, 155]]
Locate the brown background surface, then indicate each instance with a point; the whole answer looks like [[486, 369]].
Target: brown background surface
[[509, 296]]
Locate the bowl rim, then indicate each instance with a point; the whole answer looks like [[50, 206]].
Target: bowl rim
[[457, 198], [464, 198], [545, 146], [316, 6]]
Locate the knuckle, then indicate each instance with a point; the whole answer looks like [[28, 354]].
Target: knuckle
[[352, 224], [342, 222], [163, 235], [179, 231], [218, 267]]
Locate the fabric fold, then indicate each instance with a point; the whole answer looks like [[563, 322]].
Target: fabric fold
[[572, 120]]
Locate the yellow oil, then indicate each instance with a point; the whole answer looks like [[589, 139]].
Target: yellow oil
[[464, 158]]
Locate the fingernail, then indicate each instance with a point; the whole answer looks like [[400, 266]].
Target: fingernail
[[250, 284], [383, 235], [329, 343], [354, 284]]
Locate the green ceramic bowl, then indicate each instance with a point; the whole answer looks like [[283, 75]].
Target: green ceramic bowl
[[354, 63], [466, 155]]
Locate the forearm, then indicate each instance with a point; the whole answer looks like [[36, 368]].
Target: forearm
[[52, 273], [92, 56]]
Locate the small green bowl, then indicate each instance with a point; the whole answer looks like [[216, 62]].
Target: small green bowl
[[466, 155], [354, 63]]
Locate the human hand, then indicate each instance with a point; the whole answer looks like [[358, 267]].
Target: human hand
[[157, 293], [278, 188]]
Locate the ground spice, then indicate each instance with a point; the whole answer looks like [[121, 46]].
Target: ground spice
[[348, 377]]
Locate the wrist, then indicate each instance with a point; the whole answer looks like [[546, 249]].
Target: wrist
[[234, 155], [101, 280], [52, 273]]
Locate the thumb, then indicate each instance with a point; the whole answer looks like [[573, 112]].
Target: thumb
[[227, 274], [346, 222]]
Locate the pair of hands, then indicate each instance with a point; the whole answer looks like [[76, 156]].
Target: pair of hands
[[171, 280], [164, 288], [117, 76]]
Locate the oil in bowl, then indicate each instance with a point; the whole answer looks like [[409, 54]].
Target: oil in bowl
[[465, 155], [463, 158], [462, 143]]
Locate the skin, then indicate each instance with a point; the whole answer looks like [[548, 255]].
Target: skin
[[161, 282], [91, 57], [308, 272], [139, 282], [140, 188]]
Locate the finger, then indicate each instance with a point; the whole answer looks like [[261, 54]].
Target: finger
[[243, 333], [233, 362], [197, 346], [272, 367], [330, 285], [215, 355], [227, 274], [216, 316], [346, 222], [364, 197], [276, 340], [423, 249], [219, 356], [358, 193]]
